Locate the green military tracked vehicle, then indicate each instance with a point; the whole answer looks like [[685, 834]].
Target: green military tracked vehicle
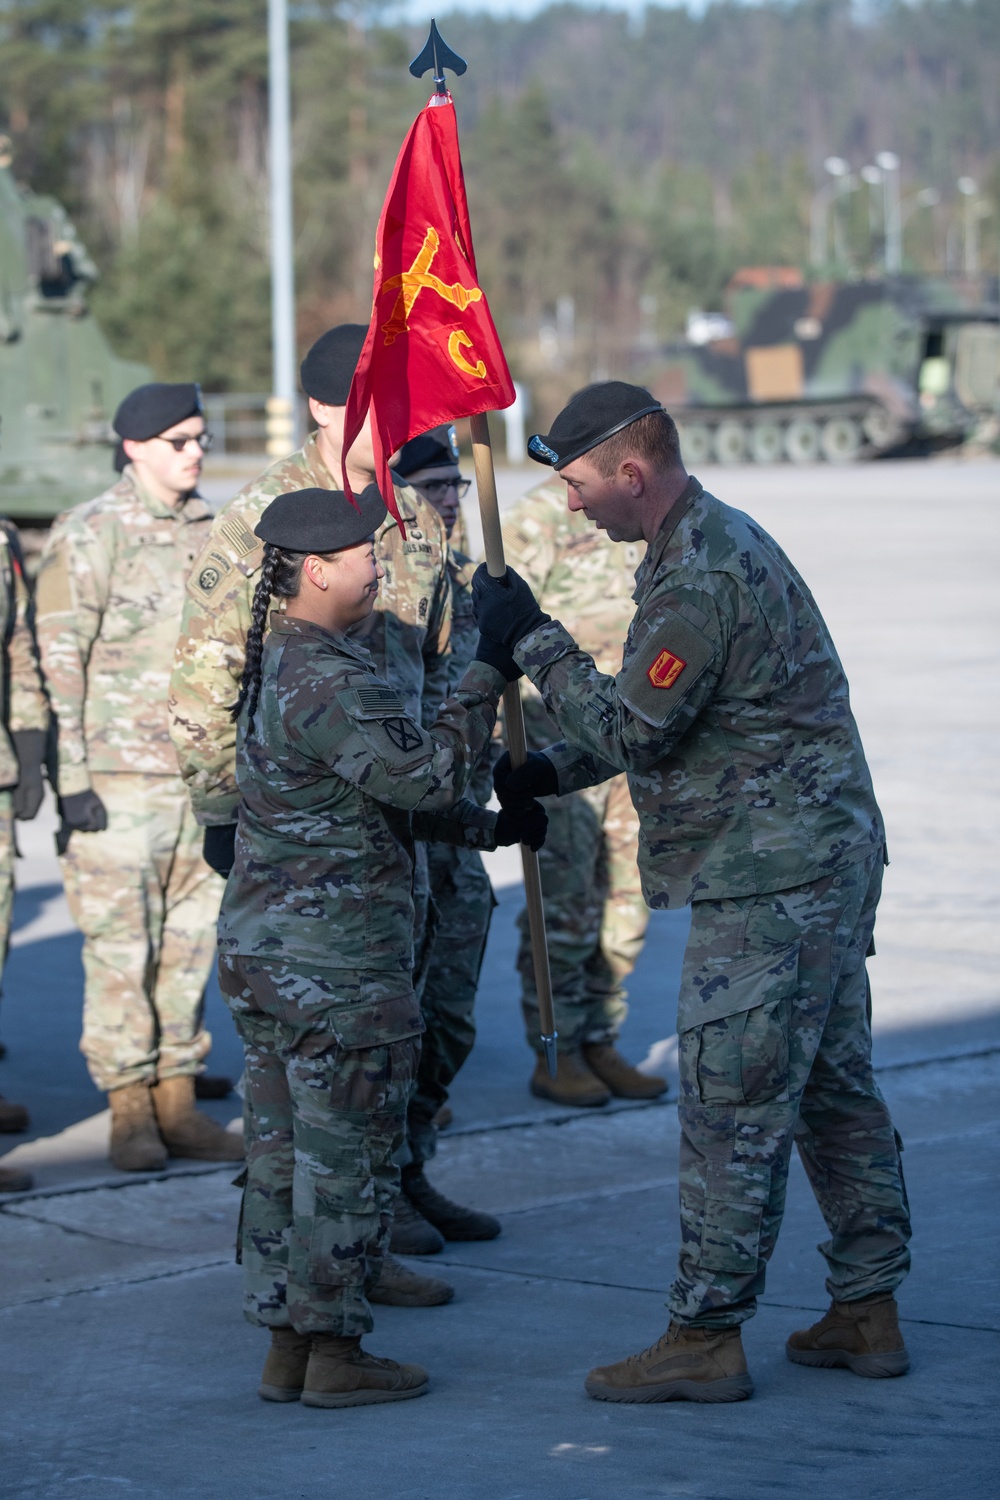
[[59, 380], [831, 370]]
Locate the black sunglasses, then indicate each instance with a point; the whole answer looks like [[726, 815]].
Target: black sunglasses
[[437, 487], [204, 441]]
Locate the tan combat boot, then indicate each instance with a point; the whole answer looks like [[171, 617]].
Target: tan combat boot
[[135, 1140], [341, 1373], [285, 1367], [624, 1081], [574, 1083], [861, 1336], [186, 1130], [13, 1117], [686, 1364], [398, 1286], [13, 1181]]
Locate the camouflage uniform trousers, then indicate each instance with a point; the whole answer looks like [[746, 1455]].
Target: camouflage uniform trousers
[[327, 1080], [463, 903], [775, 1045], [147, 905], [595, 915]]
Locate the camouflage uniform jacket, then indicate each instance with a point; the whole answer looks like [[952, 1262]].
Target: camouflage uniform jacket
[[730, 714], [406, 635], [337, 780], [578, 575], [462, 644], [23, 704], [109, 598]]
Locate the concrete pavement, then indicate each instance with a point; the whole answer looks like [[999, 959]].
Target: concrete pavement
[[129, 1370]]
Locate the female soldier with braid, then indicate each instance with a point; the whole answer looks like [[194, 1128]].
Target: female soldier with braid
[[316, 935]]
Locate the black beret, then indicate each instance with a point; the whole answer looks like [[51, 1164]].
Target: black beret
[[151, 409], [432, 450], [321, 520], [592, 416], [328, 368]]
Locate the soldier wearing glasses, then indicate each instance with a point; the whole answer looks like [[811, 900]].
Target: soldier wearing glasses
[[109, 599]]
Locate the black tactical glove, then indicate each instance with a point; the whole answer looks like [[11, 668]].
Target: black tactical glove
[[495, 655], [219, 847], [29, 747], [505, 608], [83, 812], [522, 823], [536, 778]]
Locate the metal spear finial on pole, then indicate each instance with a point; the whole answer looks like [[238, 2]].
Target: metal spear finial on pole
[[437, 56]]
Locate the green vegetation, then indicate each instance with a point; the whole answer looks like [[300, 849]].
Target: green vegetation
[[631, 168]]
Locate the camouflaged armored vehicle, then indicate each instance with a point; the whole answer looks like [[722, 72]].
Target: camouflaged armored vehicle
[[59, 380], [830, 370]]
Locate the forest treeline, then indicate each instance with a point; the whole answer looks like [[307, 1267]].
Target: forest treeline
[[619, 168]]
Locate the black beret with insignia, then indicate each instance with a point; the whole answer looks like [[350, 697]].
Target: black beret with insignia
[[321, 520], [328, 368], [591, 417], [432, 450], [151, 409]]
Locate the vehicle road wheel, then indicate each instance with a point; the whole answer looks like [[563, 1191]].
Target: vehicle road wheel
[[840, 440], [802, 441], [879, 427], [696, 444], [730, 443], [766, 443]]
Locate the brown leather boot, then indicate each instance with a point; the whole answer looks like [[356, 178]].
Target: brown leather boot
[[860, 1336], [686, 1364], [574, 1083], [186, 1131], [135, 1140], [341, 1373], [411, 1233], [398, 1286], [13, 1181], [13, 1117], [444, 1117], [285, 1367], [449, 1219], [624, 1081]]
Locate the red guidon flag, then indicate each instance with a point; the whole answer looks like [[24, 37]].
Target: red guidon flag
[[432, 353]]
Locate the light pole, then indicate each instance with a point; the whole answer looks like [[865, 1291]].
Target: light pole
[[281, 406], [839, 170], [888, 162], [969, 187]]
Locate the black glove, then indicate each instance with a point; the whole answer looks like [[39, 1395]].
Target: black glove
[[29, 747], [83, 812], [219, 847], [536, 778], [495, 655], [505, 608], [522, 823]]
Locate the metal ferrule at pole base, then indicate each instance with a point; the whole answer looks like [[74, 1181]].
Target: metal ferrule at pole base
[[551, 1055]]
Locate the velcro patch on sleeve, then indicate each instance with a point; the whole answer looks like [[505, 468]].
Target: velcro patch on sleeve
[[211, 571], [666, 657], [378, 703], [239, 536]]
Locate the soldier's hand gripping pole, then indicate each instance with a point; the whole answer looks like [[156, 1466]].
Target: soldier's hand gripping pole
[[489, 510]]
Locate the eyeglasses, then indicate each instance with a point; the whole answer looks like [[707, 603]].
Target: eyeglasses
[[435, 488], [204, 441]]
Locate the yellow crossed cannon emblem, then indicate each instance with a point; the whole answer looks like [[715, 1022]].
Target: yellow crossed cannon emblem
[[412, 282]]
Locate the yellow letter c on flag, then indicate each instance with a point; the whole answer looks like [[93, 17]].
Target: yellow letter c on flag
[[458, 341]]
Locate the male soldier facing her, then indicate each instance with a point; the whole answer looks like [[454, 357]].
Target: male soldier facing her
[[110, 587], [595, 914], [24, 720], [732, 719], [407, 636]]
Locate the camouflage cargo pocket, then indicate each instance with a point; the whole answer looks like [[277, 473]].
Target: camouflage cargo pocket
[[733, 1018], [736, 1196], [345, 1232], [378, 1042]]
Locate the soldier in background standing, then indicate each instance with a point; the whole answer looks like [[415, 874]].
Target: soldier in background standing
[[407, 635], [110, 587], [459, 885], [595, 914], [24, 722]]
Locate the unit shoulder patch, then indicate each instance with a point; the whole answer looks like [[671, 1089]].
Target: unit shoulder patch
[[665, 658], [666, 669], [211, 572]]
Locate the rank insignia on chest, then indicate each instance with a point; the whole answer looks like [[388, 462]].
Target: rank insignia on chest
[[666, 669]]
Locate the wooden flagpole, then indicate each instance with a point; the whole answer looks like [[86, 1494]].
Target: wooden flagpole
[[513, 714]]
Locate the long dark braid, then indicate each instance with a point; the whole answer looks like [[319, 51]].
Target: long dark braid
[[280, 577]]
